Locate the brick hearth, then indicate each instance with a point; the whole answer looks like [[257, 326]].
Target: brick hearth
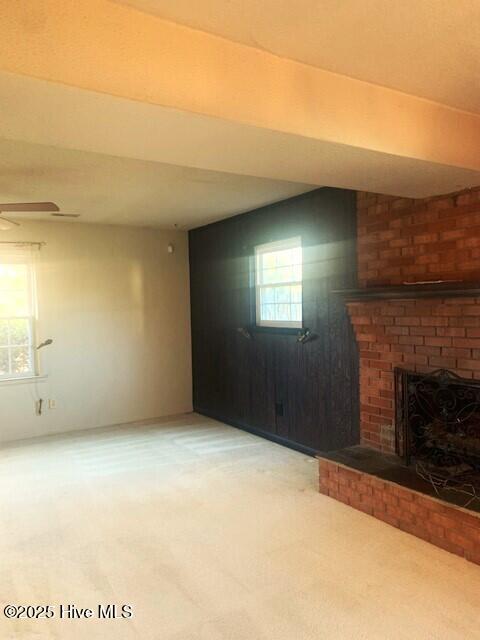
[[447, 526]]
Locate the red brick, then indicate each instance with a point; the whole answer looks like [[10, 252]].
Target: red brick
[[434, 529], [448, 310], [405, 348], [442, 361], [416, 509], [407, 321], [425, 238], [447, 522], [425, 331], [473, 556], [428, 350], [438, 342], [368, 408], [415, 358], [463, 539], [434, 321], [415, 340], [402, 493], [473, 333], [472, 321], [351, 474], [470, 310], [386, 393], [376, 483], [386, 517], [396, 331], [443, 543], [381, 403], [455, 352], [457, 332], [469, 343], [469, 364], [380, 364], [392, 310], [415, 529]]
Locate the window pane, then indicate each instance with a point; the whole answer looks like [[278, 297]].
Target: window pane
[[267, 312], [4, 364], [14, 303], [284, 258], [267, 261], [282, 294], [296, 293], [19, 331], [278, 274], [267, 295], [3, 333], [283, 312], [21, 360], [13, 277]]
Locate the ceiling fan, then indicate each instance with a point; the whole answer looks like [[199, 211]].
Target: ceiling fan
[[29, 207]]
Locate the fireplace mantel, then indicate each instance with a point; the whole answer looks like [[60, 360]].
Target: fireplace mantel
[[412, 291]]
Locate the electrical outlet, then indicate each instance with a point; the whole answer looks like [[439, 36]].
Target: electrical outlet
[[52, 404]]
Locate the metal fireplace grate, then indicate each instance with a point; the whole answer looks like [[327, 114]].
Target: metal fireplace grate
[[437, 429]]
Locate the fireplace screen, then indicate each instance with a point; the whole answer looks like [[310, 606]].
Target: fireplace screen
[[438, 429]]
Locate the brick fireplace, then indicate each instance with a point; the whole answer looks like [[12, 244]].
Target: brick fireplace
[[403, 319], [400, 241], [421, 335]]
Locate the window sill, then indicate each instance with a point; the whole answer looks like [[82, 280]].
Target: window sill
[[292, 331], [26, 380]]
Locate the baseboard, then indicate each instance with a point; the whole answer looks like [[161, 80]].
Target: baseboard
[[258, 432]]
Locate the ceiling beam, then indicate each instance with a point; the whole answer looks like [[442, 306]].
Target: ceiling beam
[[103, 47]]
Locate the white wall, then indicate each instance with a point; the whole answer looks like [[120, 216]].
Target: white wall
[[117, 305]]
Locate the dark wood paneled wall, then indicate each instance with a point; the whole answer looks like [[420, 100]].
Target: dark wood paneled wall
[[304, 394]]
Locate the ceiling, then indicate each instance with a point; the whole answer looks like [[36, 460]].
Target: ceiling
[[428, 48], [114, 190], [129, 116]]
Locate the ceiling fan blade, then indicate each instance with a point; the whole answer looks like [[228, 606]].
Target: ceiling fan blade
[[29, 206], [66, 215]]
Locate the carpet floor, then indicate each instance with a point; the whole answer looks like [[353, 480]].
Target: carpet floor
[[209, 533]]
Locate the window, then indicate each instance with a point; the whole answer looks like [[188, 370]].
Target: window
[[278, 283], [17, 315]]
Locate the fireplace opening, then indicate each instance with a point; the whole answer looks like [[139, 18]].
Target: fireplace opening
[[437, 430]]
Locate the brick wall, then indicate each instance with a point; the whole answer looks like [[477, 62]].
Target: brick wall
[[409, 240], [420, 335], [444, 525]]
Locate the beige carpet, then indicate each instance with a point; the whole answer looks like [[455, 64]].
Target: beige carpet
[[210, 533]]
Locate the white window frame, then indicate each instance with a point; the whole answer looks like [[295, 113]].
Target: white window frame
[[23, 257], [269, 247]]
